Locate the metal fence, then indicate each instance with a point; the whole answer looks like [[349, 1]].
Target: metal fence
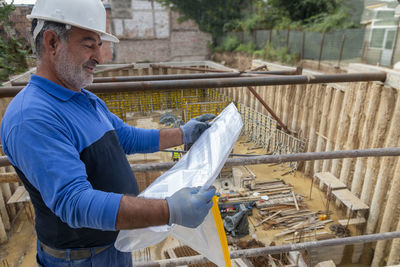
[[333, 46]]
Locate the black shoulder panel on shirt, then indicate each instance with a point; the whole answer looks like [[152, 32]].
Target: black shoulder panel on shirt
[[108, 170]]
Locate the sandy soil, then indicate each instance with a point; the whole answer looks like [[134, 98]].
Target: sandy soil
[[22, 245]]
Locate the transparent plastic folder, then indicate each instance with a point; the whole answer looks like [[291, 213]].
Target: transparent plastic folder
[[199, 167]]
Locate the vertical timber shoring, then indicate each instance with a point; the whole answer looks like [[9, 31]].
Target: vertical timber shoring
[[4, 219], [306, 111], [252, 100], [299, 90], [351, 141], [279, 100], [312, 136], [3, 233], [323, 125], [385, 172], [374, 96], [3, 206], [257, 105], [388, 219], [236, 94], [265, 97], [289, 99], [6, 188], [333, 125], [5, 222], [247, 96], [303, 116], [373, 163], [343, 125], [272, 91], [285, 103]]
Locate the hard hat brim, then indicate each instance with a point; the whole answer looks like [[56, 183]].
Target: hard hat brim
[[103, 35]]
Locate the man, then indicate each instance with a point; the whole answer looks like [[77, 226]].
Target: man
[[175, 155], [69, 150]]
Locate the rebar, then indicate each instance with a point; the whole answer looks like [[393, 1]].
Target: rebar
[[255, 252], [220, 83]]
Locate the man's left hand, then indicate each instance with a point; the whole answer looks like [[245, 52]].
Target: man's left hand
[[192, 130]]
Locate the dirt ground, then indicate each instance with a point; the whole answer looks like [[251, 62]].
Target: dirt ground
[[21, 247]]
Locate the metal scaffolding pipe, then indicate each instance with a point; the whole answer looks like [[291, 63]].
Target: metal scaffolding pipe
[[373, 152], [161, 66], [339, 154], [220, 83], [255, 252], [180, 76]]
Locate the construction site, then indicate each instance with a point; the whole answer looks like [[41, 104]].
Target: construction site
[[313, 179]]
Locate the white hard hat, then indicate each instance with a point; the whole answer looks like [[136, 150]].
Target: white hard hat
[[86, 14]]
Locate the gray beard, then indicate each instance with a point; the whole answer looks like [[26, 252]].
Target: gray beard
[[70, 73]]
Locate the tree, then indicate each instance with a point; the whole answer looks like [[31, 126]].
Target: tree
[[12, 52], [301, 10], [213, 16]]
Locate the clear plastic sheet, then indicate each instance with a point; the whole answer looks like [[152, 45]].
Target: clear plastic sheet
[[199, 167]]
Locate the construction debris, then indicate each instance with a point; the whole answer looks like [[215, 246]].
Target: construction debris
[[340, 230]]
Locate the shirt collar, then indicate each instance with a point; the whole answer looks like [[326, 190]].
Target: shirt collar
[[52, 88]]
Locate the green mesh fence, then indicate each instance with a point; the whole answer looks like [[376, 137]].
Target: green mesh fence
[[331, 46]]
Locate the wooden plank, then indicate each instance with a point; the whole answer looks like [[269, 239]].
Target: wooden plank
[[353, 221], [266, 219], [330, 180], [16, 197], [9, 177], [295, 201], [350, 200]]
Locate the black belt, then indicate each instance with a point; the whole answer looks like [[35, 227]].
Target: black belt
[[74, 254]]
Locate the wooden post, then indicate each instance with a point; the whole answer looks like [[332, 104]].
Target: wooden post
[[385, 109], [341, 50], [332, 130], [388, 219], [321, 49], [385, 172], [312, 136], [355, 119], [323, 125], [4, 217], [306, 111], [394, 254], [366, 135], [296, 106], [343, 126]]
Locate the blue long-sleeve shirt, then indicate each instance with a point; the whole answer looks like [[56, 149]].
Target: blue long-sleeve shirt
[[69, 151]]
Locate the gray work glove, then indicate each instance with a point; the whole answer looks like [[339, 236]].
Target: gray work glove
[[188, 206], [192, 130]]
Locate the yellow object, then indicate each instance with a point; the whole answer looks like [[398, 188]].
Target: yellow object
[[221, 232], [322, 217]]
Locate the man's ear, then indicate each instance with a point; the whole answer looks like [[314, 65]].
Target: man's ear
[[50, 42]]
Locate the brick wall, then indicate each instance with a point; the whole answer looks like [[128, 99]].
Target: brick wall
[[150, 32]]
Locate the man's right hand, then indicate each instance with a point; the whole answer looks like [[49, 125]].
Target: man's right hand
[[188, 206]]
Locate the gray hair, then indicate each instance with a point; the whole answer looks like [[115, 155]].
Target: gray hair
[[62, 31]]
